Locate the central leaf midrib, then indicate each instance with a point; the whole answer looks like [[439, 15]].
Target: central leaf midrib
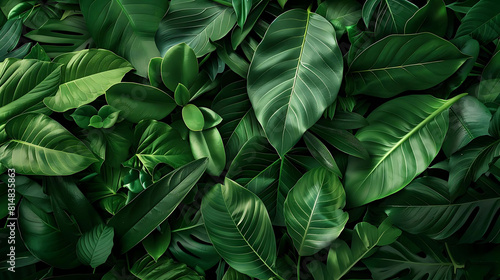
[[310, 218], [407, 136]]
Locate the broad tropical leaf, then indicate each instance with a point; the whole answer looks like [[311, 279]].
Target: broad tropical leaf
[[86, 76], [294, 76], [313, 211], [196, 23], [126, 27], [41, 146], [153, 206], [404, 136], [240, 229], [399, 63]]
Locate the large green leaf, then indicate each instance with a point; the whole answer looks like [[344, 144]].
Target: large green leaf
[[196, 23], [24, 83], [404, 136], [140, 102], [482, 22], [164, 269], [43, 237], [153, 206], [399, 63], [61, 36], [313, 211], [86, 76], [240, 229], [126, 27], [294, 76], [469, 119], [94, 247], [41, 146], [365, 239], [156, 143], [412, 257], [425, 207]]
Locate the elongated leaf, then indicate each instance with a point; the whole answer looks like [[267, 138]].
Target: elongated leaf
[[94, 247], [195, 23], [418, 257], [163, 269], [24, 83], [427, 199], [242, 9], [153, 206], [313, 211], [403, 62], [41, 146], [209, 144], [126, 27], [247, 128], [287, 92], [157, 143], [10, 33], [482, 22], [469, 119], [240, 229], [139, 102], [321, 153], [365, 239], [340, 139], [401, 146], [87, 75]]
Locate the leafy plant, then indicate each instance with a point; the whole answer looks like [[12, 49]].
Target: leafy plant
[[250, 139]]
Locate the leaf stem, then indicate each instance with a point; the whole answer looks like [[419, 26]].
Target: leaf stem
[[298, 267], [480, 65], [455, 264], [223, 3]]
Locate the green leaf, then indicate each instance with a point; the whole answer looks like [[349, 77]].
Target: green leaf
[[340, 13], [416, 256], [208, 144], [94, 247], [157, 143], [365, 239], [392, 16], [96, 121], [196, 23], [163, 269], [240, 229], [140, 102], [11, 30], [469, 119], [287, 94], [430, 18], [242, 9], [154, 71], [404, 136], [313, 211], [87, 75], [157, 242], [43, 237], [494, 127], [247, 128], [37, 52], [109, 115], [232, 274], [193, 118], [25, 83], [61, 36], [321, 153], [126, 27], [482, 22], [472, 161], [282, 3], [151, 207], [489, 87], [210, 117], [55, 151], [240, 32], [428, 199], [399, 63], [181, 95], [179, 66]]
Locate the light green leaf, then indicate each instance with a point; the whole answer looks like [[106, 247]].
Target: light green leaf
[[404, 136], [151, 207], [94, 247], [86, 76], [139, 102], [240, 229], [313, 214], [126, 27], [181, 95], [208, 144], [399, 63], [193, 118], [41, 146], [196, 23], [288, 84]]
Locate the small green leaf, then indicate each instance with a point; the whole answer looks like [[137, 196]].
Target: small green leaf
[[210, 117], [109, 115], [242, 9], [193, 117], [321, 153], [96, 121], [181, 95], [82, 115], [94, 247]]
